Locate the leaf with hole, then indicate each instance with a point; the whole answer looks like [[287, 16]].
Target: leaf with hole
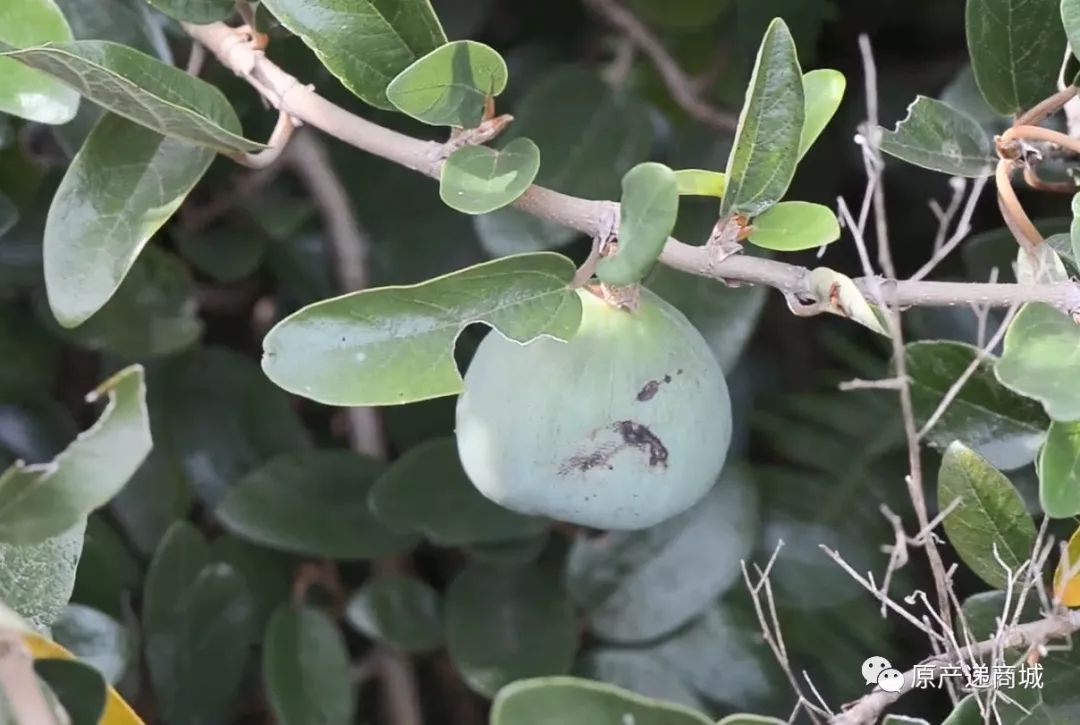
[[479, 180], [793, 226], [42, 500], [936, 136], [507, 624], [650, 205], [1059, 471], [575, 701], [451, 85], [1003, 427], [989, 517], [26, 92], [699, 182], [142, 89], [1016, 48], [427, 491], [1037, 361], [113, 198], [305, 668], [823, 90], [196, 11], [767, 141], [365, 43], [313, 503], [401, 611], [394, 345]]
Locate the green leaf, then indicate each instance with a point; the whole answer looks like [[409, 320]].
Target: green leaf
[[108, 574], [196, 11], [122, 21], [365, 43], [141, 89], [30, 356], [1037, 361], [823, 90], [698, 182], [313, 503], [725, 316], [426, 491], [507, 624], [792, 226], [516, 552], [1059, 471], [903, 720], [113, 198], [305, 668], [598, 134], [1001, 426], [1070, 19], [97, 639], [478, 179], [450, 85], [637, 586], [42, 500], [222, 419], [639, 672], [78, 686], [395, 344], [991, 515], [766, 149], [402, 611], [155, 496], [195, 612], [25, 92], [650, 205], [224, 254], [268, 575], [37, 579], [573, 701], [936, 136], [1016, 48], [153, 313]]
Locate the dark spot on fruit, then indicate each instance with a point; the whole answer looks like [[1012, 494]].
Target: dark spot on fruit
[[667, 378], [640, 437], [649, 391], [587, 461]]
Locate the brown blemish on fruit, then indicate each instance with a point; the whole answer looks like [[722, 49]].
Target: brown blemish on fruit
[[633, 435], [640, 437], [651, 389]]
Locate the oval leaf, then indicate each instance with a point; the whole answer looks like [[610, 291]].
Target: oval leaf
[[305, 668], [823, 90], [1004, 428], [25, 92], [42, 500], [650, 205], [698, 182], [395, 344], [1038, 360], [427, 491], [196, 11], [113, 198], [142, 89], [506, 624], [478, 179], [574, 701], [450, 85], [637, 586], [402, 611], [936, 136], [792, 226], [1016, 48], [766, 148], [78, 686], [990, 515], [97, 639], [365, 43], [314, 503], [1059, 471]]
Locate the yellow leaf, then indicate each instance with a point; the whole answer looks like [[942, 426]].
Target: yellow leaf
[[1069, 592], [117, 712]]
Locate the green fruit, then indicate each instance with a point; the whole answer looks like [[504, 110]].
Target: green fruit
[[622, 427]]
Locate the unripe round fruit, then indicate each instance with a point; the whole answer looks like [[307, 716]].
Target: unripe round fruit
[[622, 427]]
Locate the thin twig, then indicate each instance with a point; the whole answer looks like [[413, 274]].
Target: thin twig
[[963, 228], [683, 88]]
